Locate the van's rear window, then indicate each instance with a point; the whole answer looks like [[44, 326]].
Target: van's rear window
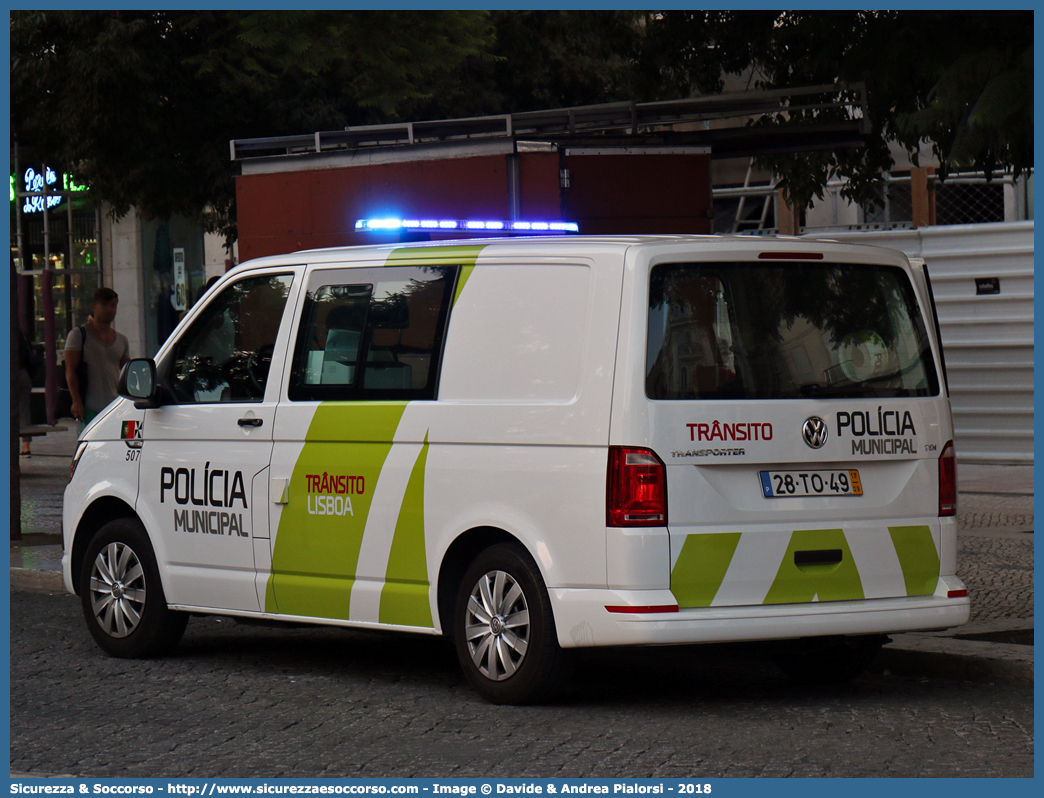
[[787, 331]]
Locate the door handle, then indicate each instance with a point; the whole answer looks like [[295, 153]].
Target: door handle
[[251, 422], [820, 557]]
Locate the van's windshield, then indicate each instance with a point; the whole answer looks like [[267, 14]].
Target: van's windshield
[[787, 331]]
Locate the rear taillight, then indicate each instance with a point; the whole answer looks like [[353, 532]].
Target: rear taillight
[[636, 488], [948, 481]]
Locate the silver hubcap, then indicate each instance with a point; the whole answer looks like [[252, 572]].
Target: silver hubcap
[[117, 590], [497, 625]]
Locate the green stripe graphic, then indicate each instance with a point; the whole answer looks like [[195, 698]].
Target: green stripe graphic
[[799, 584], [918, 558], [315, 556], [701, 566], [404, 598]]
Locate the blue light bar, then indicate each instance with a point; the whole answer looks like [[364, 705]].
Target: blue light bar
[[378, 224], [392, 224]]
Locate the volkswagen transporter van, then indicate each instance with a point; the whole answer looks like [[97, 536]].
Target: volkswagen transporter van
[[535, 446]]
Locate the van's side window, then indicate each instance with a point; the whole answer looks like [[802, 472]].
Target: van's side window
[[226, 353], [369, 334]]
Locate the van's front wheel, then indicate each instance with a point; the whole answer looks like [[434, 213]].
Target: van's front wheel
[[122, 597], [504, 630]]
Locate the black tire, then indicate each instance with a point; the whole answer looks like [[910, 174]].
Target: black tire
[[123, 601], [500, 668], [827, 660]]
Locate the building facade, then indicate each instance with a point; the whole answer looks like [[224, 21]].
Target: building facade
[[65, 245]]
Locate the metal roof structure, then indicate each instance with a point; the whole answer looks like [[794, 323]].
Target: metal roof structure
[[829, 117]]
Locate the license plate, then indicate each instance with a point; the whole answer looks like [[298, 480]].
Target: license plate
[[784, 484]]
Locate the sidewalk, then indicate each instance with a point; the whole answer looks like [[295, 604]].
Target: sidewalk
[[994, 558], [43, 478], [995, 561]]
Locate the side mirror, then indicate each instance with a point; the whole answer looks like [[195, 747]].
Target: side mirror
[[138, 382]]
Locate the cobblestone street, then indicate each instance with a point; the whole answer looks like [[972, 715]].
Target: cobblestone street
[[991, 510], [995, 554], [999, 574], [245, 701]]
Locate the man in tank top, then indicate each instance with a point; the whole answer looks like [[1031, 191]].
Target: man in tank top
[[103, 349]]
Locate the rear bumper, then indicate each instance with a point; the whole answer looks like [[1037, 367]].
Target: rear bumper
[[583, 621]]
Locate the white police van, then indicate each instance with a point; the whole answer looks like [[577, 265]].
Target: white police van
[[535, 446]]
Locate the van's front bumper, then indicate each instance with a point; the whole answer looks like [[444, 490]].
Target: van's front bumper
[[582, 619]]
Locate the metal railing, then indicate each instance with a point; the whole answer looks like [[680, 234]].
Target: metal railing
[[595, 120], [963, 198]]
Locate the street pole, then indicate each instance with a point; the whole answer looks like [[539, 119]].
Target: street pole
[[50, 339], [16, 474]]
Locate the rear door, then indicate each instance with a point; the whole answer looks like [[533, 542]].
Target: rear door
[[347, 509], [798, 408]]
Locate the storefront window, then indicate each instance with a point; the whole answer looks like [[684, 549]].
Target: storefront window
[[71, 255], [73, 284], [174, 275]]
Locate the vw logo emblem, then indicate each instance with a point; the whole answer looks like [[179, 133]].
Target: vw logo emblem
[[814, 431]]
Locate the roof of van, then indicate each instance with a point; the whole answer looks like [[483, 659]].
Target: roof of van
[[546, 245]]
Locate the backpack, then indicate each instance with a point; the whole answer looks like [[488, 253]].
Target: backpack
[[81, 369]]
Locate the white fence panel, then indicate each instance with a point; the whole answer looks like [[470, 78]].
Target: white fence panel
[[987, 338]]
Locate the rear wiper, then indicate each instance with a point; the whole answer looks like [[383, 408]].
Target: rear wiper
[[814, 390]]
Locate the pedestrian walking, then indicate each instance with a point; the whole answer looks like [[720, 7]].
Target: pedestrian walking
[[103, 350]]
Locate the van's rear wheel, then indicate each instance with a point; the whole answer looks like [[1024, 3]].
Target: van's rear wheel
[[504, 631], [827, 660], [122, 597]]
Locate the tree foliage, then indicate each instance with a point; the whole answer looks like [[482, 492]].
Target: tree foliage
[[957, 82], [542, 59], [142, 104]]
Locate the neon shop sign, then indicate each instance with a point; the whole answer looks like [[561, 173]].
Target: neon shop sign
[[36, 182]]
